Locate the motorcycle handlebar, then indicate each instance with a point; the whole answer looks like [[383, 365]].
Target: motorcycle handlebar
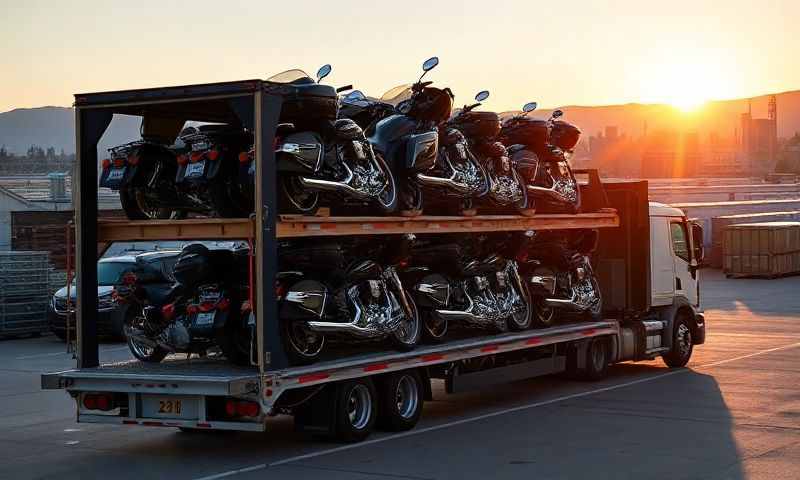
[[344, 89]]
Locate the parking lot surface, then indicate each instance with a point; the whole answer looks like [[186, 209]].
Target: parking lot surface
[[733, 413]]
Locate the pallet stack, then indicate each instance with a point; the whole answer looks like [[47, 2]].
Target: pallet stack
[[24, 292], [767, 249]]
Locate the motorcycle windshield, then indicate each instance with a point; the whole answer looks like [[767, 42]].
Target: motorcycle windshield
[[290, 76], [396, 95]]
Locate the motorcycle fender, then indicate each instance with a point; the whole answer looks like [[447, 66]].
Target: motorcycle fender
[[300, 152], [432, 291]]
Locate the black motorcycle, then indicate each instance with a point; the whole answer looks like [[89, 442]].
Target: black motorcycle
[[463, 281], [208, 170], [143, 172], [322, 159], [507, 190], [200, 313], [557, 267], [348, 290], [539, 150], [428, 156]]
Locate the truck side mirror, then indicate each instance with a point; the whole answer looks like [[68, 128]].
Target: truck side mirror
[[697, 240]]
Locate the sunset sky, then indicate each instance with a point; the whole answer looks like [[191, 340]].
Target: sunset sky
[[557, 53]]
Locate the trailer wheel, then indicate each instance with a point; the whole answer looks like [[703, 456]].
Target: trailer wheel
[[355, 409], [682, 342], [401, 398], [597, 359]]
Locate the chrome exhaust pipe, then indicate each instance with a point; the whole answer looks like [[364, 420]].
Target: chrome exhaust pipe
[[356, 327], [331, 186]]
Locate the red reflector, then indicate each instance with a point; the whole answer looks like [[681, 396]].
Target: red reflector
[[230, 408], [432, 357], [268, 392], [313, 377], [103, 403], [130, 422], [182, 160], [153, 424], [133, 160], [204, 425], [212, 155], [591, 331], [533, 341], [106, 163], [490, 348], [168, 311], [377, 366], [90, 402], [247, 409], [244, 157]]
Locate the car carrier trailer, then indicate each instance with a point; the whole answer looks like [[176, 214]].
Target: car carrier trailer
[[346, 396]]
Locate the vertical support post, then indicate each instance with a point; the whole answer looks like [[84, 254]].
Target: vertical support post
[[271, 355]]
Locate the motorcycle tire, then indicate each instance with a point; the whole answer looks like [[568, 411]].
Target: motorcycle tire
[[297, 354], [145, 353], [388, 204], [411, 339], [410, 199], [523, 320], [291, 200], [135, 207]]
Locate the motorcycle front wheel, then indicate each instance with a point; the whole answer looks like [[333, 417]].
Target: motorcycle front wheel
[[407, 335], [142, 351], [521, 319]]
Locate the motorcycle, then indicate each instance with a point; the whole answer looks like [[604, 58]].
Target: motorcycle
[[208, 169], [143, 172], [429, 156], [320, 155], [202, 312], [539, 149], [506, 187], [323, 294], [557, 267], [462, 281]]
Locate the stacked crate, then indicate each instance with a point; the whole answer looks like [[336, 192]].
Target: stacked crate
[[719, 224], [24, 292], [767, 249]]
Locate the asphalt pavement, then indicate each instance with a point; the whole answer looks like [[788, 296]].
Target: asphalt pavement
[[733, 413]]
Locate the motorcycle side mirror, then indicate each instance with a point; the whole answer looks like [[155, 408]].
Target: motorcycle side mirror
[[557, 114], [430, 64], [529, 107], [324, 71], [482, 95]]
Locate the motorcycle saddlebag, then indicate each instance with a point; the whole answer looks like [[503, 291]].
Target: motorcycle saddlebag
[[330, 258], [310, 105], [479, 124], [300, 152], [527, 131], [421, 150]]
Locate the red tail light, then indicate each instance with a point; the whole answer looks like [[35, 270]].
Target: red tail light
[[244, 157], [90, 402], [106, 163], [230, 408], [182, 160], [206, 307], [119, 162], [213, 155], [192, 309], [247, 409], [280, 290], [93, 401], [168, 311], [196, 156], [223, 305], [133, 160], [103, 403]]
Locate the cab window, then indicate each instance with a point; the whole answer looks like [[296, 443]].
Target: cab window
[[680, 240]]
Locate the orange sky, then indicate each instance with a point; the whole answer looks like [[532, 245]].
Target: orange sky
[[557, 53]]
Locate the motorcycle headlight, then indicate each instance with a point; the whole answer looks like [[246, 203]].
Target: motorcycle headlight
[[581, 272]]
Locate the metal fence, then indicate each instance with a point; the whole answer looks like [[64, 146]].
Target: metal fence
[[24, 292]]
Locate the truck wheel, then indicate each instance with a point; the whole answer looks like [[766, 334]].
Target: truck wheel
[[355, 409], [682, 342], [401, 400], [596, 361]]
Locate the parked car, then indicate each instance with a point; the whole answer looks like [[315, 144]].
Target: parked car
[[153, 272]]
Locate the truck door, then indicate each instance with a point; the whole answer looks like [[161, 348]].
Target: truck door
[[662, 263], [685, 275]]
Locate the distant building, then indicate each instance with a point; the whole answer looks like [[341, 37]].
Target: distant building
[[668, 153], [614, 154], [759, 140]]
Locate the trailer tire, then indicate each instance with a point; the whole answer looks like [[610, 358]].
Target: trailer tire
[[682, 342], [597, 359], [355, 409], [401, 397]]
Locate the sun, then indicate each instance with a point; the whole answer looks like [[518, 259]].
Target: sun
[[684, 83]]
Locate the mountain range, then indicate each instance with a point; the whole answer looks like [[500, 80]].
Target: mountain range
[[55, 126]]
